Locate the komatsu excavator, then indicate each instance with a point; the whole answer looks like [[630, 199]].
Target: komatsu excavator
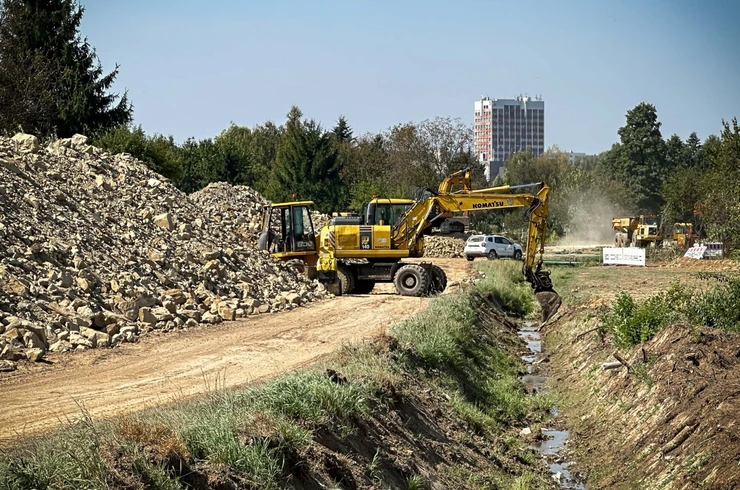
[[351, 254]]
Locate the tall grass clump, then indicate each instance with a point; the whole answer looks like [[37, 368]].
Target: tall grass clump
[[440, 334], [632, 322], [505, 281]]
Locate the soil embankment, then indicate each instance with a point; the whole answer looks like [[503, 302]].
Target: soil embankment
[[670, 420]]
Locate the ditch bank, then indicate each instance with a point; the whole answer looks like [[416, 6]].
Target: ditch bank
[[435, 404], [664, 416]]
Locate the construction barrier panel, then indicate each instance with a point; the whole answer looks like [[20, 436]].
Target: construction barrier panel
[[624, 256], [696, 252]]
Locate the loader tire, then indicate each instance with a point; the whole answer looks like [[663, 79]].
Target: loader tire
[[438, 281], [346, 278], [364, 286], [298, 265], [411, 280]]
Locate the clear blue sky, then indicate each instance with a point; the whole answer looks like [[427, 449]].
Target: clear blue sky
[[192, 67]]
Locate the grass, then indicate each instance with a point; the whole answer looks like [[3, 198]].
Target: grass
[[254, 434], [505, 281], [631, 322]]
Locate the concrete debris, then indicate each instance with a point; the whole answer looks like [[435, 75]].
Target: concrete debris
[[97, 249], [443, 246]]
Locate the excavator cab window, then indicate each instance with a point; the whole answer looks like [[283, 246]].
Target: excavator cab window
[[389, 214], [294, 230]]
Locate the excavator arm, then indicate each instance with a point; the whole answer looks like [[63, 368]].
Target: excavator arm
[[444, 203]]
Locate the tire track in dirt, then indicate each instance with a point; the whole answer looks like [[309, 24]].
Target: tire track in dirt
[[164, 368]]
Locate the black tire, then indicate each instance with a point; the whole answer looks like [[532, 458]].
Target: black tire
[[492, 255], [411, 280], [298, 265], [364, 286], [468, 258], [346, 278], [517, 255], [438, 281]]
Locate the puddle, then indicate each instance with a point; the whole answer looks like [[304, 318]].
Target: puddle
[[555, 439]]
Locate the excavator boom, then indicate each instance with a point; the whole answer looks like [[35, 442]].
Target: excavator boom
[[407, 231]]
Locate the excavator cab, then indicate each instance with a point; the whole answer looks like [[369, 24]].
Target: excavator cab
[[288, 234]]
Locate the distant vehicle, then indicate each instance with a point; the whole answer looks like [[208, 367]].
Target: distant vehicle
[[491, 246]]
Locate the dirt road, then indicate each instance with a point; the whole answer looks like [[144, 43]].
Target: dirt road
[[162, 368]]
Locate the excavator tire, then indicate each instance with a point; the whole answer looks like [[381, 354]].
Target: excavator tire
[[346, 279], [364, 286], [411, 280], [298, 265], [438, 281]]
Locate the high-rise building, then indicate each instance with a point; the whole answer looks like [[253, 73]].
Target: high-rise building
[[505, 126]]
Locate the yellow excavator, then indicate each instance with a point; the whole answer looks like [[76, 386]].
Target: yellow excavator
[[352, 253]]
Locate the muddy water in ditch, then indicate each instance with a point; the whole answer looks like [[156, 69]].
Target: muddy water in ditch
[[555, 440]]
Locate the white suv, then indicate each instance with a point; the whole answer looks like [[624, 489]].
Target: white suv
[[491, 246]]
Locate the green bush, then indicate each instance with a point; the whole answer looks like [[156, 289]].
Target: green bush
[[718, 306], [632, 323]]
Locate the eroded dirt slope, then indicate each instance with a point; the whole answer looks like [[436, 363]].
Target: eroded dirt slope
[[164, 367], [671, 420]]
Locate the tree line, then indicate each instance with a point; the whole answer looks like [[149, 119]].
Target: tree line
[[52, 85]]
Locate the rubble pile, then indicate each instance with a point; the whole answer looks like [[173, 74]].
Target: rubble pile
[[96, 249], [237, 209], [319, 220], [443, 246]]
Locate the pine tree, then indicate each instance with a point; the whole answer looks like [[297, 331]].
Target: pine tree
[[342, 131], [57, 85], [639, 159], [307, 165]]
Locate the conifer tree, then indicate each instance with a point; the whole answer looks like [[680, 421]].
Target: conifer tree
[[51, 81]]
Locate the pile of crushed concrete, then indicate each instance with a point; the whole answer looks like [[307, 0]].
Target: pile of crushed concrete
[[97, 249], [443, 246]]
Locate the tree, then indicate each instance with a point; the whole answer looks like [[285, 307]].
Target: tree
[[444, 140], [676, 154], [160, 153], [202, 163], [694, 151], [719, 207], [639, 159], [524, 168], [233, 144], [41, 50], [342, 132], [307, 165]]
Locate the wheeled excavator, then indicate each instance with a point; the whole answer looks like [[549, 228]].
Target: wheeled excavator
[[352, 253]]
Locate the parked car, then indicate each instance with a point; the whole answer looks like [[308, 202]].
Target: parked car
[[491, 246]]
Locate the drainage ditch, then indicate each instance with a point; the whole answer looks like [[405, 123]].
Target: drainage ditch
[[552, 441]]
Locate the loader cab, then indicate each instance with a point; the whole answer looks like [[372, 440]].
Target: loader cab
[[384, 211], [287, 229]]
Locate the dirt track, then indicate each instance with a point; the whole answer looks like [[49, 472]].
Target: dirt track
[[160, 369]]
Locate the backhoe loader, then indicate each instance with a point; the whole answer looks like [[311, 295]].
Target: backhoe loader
[[351, 254]]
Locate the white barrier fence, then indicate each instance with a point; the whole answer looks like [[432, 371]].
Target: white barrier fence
[[695, 252], [710, 250], [624, 256]]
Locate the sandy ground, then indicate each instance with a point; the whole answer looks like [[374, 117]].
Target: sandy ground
[[163, 368]]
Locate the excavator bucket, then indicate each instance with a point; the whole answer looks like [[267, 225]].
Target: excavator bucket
[[546, 296], [549, 301]]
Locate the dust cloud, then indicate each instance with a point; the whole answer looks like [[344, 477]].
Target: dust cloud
[[590, 223]]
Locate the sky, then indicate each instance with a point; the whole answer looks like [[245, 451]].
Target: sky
[[192, 67]]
